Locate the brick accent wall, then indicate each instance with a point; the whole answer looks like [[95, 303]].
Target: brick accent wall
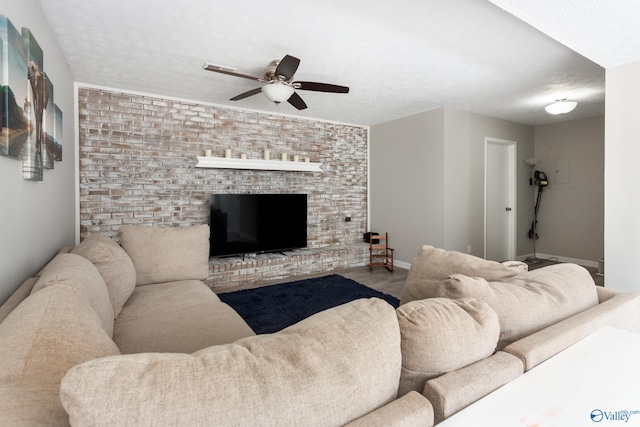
[[137, 166]]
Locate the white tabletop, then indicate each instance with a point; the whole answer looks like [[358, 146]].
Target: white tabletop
[[595, 382]]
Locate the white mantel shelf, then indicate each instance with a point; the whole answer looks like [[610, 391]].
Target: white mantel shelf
[[258, 164]]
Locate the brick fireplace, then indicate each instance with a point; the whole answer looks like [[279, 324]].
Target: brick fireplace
[[137, 166]]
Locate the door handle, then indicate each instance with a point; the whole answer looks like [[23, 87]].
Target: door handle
[[508, 209]]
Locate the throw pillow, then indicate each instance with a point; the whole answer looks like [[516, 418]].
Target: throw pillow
[[433, 265], [114, 266], [327, 369], [530, 301], [167, 254], [441, 335], [80, 274]]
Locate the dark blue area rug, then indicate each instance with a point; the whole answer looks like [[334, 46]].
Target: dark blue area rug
[[269, 309]]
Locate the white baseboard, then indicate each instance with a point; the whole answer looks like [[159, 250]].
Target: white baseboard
[[582, 262], [402, 264]]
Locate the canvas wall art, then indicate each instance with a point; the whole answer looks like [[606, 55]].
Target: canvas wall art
[[57, 135], [31, 121], [38, 98], [15, 125], [48, 126]]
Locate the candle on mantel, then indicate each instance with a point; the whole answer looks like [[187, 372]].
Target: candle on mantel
[[243, 156], [307, 160], [227, 153], [207, 152], [296, 158], [267, 155], [284, 157]]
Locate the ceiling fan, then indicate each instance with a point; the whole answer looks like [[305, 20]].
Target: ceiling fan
[[279, 86]]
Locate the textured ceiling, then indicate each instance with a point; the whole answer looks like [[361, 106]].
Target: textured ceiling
[[398, 58], [606, 32]]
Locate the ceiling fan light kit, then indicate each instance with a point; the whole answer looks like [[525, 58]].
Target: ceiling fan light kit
[[279, 86], [277, 92], [561, 106]]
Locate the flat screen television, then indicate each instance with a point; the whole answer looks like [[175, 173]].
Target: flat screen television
[[256, 223]]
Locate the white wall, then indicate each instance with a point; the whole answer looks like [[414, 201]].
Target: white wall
[[406, 187], [571, 214], [427, 180], [464, 143], [622, 178], [37, 218]]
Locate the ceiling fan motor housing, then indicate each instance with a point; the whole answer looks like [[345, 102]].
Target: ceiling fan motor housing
[[269, 73]]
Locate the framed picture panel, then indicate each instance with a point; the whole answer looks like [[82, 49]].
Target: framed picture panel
[[38, 98], [14, 101], [31, 123], [57, 135]]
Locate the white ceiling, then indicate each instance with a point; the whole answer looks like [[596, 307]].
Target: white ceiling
[[398, 58], [606, 32]]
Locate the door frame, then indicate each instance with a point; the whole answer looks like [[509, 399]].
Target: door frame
[[512, 147]]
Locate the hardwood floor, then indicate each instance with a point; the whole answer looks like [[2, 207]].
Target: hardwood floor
[[379, 279]]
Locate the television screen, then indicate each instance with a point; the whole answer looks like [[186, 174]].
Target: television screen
[[255, 223]]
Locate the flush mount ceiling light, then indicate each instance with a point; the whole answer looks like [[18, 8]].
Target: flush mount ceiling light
[[561, 106]]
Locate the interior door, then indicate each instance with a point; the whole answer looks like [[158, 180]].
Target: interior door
[[500, 197]]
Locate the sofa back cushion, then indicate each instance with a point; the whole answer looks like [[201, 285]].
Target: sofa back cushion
[[114, 266], [441, 335], [433, 265], [530, 301], [326, 370], [48, 333], [166, 254], [17, 297], [80, 274]]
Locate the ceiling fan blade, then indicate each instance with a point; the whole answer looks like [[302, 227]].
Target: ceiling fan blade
[[287, 67], [296, 101], [320, 87], [230, 72], [246, 94]]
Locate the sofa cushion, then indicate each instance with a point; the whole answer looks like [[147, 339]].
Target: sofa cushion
[[411, 410], [530, 301], [458, 389], [114, 266], [433, 265], [17, 297], [621, 310], [48, 333], [326, 370], [440, 335], [80, 274], [166, 254], [176, 317]]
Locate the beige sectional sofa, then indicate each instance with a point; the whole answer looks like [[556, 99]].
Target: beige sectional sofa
[[128, 334], [540, 313]]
